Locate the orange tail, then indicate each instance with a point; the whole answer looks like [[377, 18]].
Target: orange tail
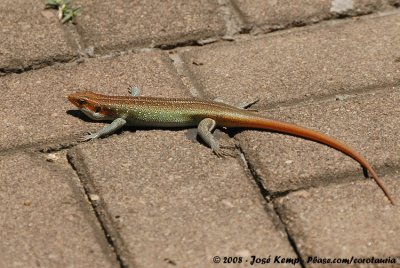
[[277, 126]]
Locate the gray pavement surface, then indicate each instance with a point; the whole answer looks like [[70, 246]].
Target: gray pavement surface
[[160, 198]]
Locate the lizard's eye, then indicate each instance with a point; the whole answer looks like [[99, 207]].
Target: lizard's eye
[[82, 101], [97, 109]]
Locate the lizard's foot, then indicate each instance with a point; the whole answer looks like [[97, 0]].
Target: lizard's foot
[[89, 136], [134, 91], [225, 150]]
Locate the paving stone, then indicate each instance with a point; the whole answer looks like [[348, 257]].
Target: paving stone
[[173, 202], [344, 221], [31, 36], [147, 23], [271, 15], [45, 220], [35, 109], [303, 64], [368, 123]]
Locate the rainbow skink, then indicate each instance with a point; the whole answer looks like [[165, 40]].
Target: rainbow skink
[[205, 115]]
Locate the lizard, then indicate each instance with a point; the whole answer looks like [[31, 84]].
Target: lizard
[[206, 115]]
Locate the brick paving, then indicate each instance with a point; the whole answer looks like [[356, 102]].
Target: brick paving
[[160, 198]]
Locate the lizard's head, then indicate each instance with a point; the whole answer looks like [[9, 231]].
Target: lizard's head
[[91, 104]]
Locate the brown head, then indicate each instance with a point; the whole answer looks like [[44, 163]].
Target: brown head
[[90, 104]]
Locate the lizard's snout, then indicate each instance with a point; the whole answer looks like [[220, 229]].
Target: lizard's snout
[[73, 98]]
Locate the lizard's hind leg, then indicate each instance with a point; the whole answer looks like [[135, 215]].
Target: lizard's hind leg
[[205, 129]]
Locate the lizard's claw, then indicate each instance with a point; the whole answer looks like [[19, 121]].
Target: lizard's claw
[[225, 150], [89, 136]]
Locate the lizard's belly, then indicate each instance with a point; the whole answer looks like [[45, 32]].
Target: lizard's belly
[[161, 120]]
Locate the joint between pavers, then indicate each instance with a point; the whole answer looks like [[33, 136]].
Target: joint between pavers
[[263, 29], [197, 39], [291, 239], [263, 190], [186, 76], [40, 146], [55, 148], [185, 43], [324, 98], [35, 65], [115, 241]]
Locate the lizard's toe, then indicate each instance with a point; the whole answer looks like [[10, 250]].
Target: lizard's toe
[[87, 137], [225, 150]]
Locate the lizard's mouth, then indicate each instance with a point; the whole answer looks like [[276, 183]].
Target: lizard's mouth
[[94, 115]]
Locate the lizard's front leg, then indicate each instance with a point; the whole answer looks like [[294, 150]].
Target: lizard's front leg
[[205, 129], [107, 130]]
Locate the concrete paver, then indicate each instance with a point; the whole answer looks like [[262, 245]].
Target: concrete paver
[[131, 24], [34, 110], [303, 64], [30, 36], [173, 201], [45, 220], [286, 163], [344, 221]]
